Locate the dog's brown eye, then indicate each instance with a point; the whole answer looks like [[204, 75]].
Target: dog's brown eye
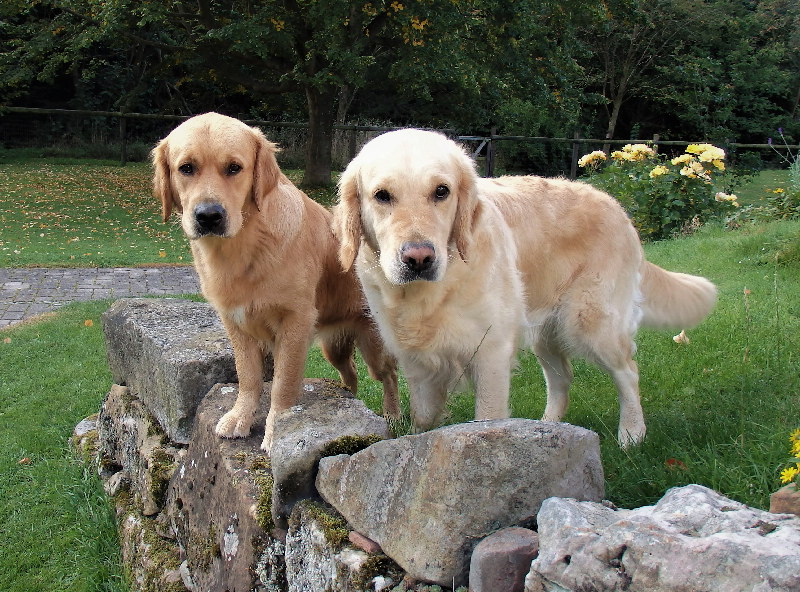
[[383, 196], [234, 168], [442, 191], [186, 169]]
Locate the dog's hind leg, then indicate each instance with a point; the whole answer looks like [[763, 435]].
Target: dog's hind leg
[[338, 348], [632, 427], [249, 358], [558, 375], [381, 366]]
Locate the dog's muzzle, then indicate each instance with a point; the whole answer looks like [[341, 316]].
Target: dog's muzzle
[[418, 261], [211, 218]]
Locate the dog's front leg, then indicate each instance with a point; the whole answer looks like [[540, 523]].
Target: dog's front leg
[[292, 341], [249, 358], [491, 372]]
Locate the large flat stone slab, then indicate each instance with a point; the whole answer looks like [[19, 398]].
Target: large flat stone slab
[[169, 353]]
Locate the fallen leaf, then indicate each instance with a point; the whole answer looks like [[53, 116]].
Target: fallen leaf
[[7, 340], [88, 322], [675, 464], [681, 338]]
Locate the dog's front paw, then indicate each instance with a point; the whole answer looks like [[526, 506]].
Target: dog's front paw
[[234, 425], [269, 430]]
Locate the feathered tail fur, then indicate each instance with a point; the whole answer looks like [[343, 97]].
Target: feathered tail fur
[[673, 300]]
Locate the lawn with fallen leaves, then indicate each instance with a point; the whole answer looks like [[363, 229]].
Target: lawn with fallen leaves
[[88, 214]]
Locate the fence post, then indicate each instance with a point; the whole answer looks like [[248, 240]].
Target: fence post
[[573, 167], [656, 138], [123, 138], [490, 153]]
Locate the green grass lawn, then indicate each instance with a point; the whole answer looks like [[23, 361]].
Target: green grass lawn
[[719, 410]]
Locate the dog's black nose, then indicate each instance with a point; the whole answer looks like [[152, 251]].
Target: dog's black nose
[[418, 258], [211, 218]]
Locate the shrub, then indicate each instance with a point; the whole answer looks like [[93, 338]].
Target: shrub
[[782, 203], [663, 197]]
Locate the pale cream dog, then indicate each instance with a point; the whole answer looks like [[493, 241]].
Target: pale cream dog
[[460, 271], [266, 258]]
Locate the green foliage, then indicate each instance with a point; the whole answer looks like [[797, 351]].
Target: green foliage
[[663, 197]]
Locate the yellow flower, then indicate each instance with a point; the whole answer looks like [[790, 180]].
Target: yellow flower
[[620, 155], [718, 164], [592, 158], [682, 159], [730, 198], [795, 436], [778, 190], [789, 473], [638, 151], [711, 153], [658, 171], [796, 448]]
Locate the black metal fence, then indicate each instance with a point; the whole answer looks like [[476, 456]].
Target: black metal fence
[[130, 137]]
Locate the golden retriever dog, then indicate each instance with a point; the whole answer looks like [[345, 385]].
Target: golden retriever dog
[[267, 262], [461, 271]]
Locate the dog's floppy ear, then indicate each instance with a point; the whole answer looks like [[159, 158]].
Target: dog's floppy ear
[[162, 186], [468, 209], [266, 171], [347, 217]]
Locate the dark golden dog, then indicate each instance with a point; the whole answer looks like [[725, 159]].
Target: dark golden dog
[[267, 262]]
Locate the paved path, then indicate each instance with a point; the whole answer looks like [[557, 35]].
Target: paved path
[[27, 292]]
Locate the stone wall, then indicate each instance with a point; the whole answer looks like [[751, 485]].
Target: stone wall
[[341, 505]]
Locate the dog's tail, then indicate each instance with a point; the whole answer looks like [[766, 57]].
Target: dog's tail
[[673, 300]]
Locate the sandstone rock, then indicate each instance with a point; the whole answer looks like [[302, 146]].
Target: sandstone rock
[[219, 500], [502, 560], [427, 499], [223, 496], [131, 441], [328, 421], [786, 500], [169, 353], [692, 539]]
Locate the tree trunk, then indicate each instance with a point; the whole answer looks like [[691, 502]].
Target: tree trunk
[[321, 116], [612, 121]]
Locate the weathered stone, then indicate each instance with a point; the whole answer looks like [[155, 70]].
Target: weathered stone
[[131, 441], [692, 539], [502, 560], [169, 353], [84, 438], [222, 496], [153, 562], [786, 500], [427, 499], [219, 499], [319, 556], [329, 420]]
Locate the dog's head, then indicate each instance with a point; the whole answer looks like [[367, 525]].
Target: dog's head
[[411, 196], [213, 169]]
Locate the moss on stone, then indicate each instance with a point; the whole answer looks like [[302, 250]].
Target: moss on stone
[[162, 467], [205, 549], [376, 565], [264, 482], [333, 525], [349, 444]]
